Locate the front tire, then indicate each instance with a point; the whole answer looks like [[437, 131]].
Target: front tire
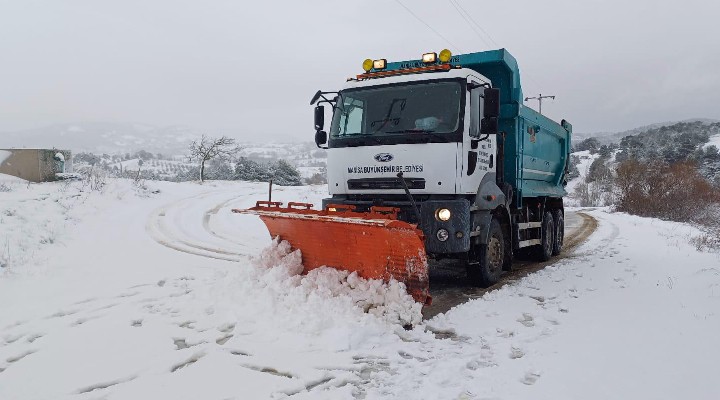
[[486, 268]]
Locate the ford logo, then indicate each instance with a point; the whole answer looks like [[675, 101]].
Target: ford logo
[[384, 157]]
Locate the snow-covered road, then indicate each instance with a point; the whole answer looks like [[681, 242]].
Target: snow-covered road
[[99, 309], [448, 281]]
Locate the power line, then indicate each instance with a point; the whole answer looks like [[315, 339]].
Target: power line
[[466, 15], [476, 24], [470, 24], [428, 25], [469, 16]]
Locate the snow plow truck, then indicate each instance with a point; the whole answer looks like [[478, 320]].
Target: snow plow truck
[[429, 159]]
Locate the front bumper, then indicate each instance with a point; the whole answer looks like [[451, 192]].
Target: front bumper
[[458, 226]]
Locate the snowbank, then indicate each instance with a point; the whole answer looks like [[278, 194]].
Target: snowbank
[[10, 178], [280, 267]]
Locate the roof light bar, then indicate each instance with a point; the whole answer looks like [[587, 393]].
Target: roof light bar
[[407, 71]]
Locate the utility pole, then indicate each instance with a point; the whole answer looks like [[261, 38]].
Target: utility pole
[[540, 98]]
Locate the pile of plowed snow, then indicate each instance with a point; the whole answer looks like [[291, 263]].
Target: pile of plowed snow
[[278, 269]]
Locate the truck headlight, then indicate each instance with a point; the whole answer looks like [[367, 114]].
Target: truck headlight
[[443, 214]]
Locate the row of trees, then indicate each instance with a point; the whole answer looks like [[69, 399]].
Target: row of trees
[[221, 151], [676, 143], [656, 188], [280, 171], [93, 159], [215, 158], [674, 192], [670, 174]]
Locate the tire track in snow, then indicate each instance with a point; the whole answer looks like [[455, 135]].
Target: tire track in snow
[[172, 235], [207, 217], [161, 233]]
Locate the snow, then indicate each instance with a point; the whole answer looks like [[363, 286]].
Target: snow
[[586, 159], [308, 172], [146, 294], [4, 155], [10, 178], [714, 141]]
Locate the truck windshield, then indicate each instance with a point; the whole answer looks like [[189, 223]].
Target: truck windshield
[[413, 108]]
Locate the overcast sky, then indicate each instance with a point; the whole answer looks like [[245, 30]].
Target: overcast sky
[[249, 68]]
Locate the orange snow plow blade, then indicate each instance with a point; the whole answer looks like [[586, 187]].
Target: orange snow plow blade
[[375, 243]]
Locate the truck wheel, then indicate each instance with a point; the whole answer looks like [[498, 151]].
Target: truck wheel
[[559, 231], [547, 238], [486, 268]]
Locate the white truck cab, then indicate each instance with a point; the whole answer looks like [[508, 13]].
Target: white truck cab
[[421, 125]]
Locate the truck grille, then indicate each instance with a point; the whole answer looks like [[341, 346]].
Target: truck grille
[[384, 183]]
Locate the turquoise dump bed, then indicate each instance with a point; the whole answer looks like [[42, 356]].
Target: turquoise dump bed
[[536, 148]]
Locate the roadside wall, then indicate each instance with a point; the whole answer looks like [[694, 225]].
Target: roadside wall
[[35, 165]]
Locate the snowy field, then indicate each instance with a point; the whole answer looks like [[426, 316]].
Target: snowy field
[[163, 293]]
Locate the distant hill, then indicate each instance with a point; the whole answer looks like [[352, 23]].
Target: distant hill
[[615, 137], [691, 141], [103, 137]]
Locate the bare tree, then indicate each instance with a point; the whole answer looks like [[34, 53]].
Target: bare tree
[[208, 148]]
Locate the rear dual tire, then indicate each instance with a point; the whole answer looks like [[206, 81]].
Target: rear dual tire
[[486, 265], [559, 238], [544, 250]]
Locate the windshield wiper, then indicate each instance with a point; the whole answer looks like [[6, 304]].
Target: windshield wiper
[[387, 118]]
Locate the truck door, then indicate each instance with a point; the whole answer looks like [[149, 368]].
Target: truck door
[[478, 154]]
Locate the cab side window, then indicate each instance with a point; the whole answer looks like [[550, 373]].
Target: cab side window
[[475, 113]]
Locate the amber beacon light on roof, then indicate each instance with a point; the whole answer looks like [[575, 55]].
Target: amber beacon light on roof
[[433, 62]]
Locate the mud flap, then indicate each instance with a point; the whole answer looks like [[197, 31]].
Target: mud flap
[[374, 244]]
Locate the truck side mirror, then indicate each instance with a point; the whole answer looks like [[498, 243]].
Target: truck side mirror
[[488, 125], [491, 108], [320, 138], [316, 97], [319, 118]]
